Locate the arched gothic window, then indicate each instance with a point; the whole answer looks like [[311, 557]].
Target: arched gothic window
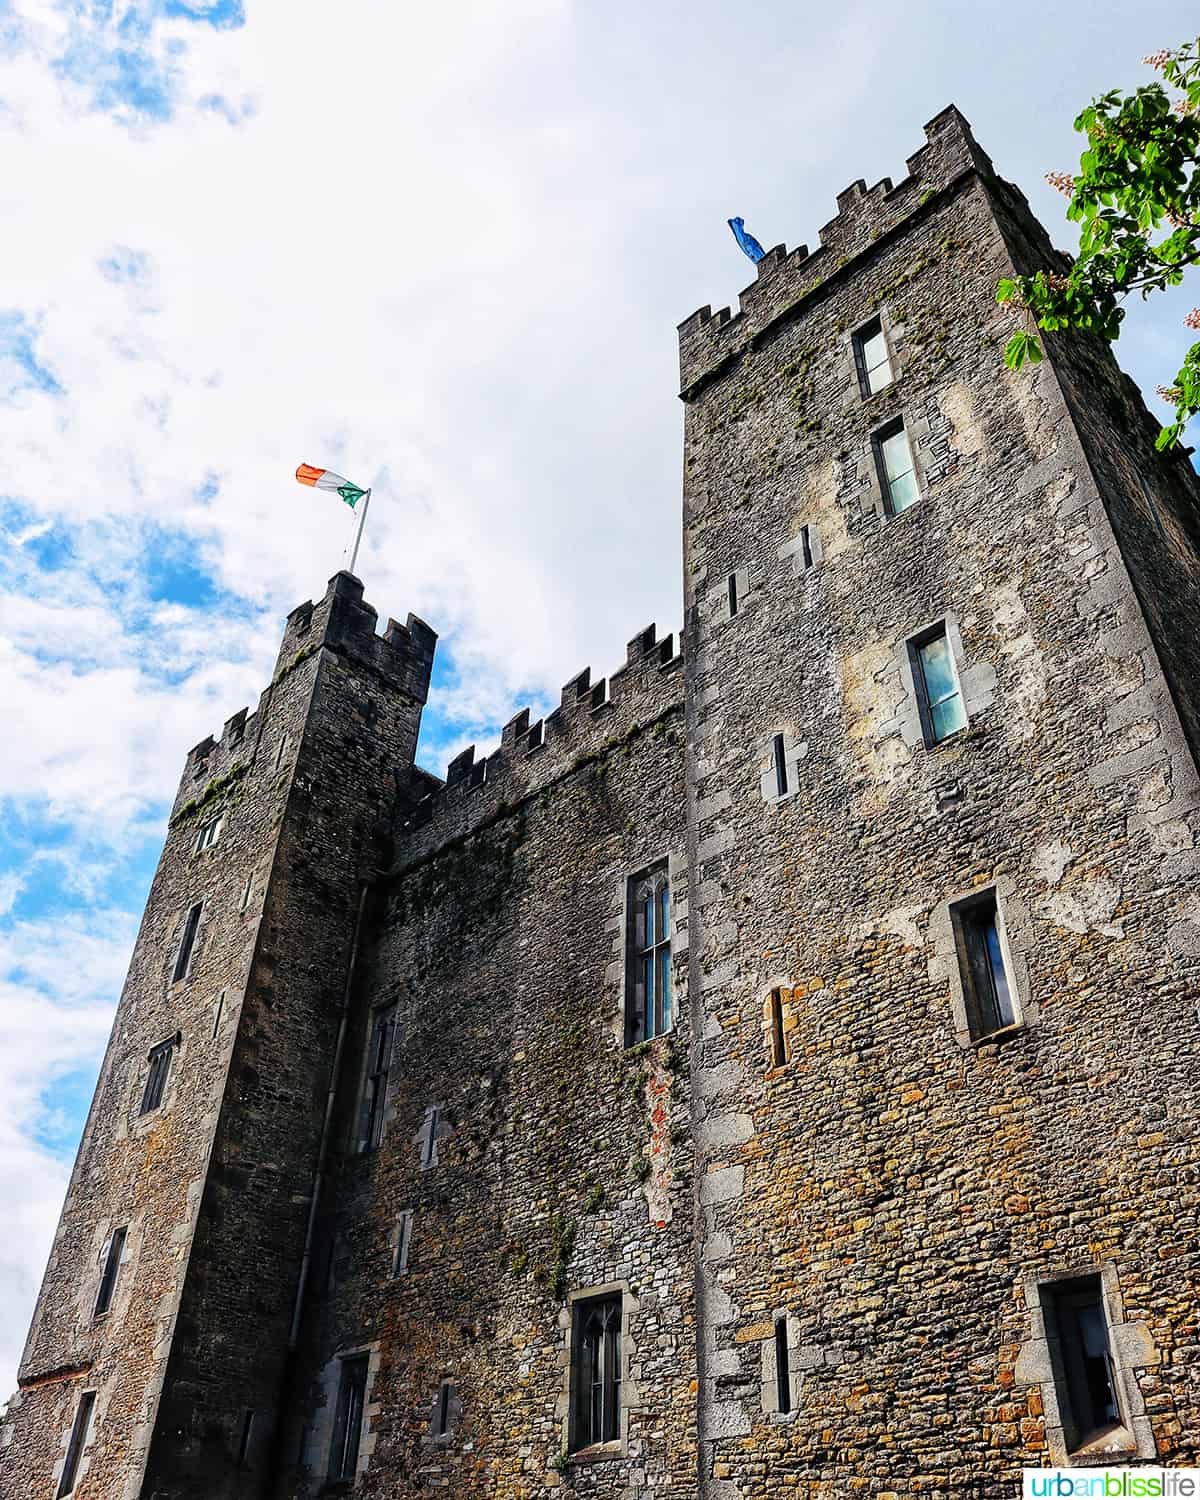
[[596, 1372]]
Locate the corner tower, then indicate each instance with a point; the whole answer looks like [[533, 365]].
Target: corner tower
[[159, 1345], [944, 816]]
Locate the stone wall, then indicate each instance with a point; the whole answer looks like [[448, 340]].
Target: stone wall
[[893, 1189]]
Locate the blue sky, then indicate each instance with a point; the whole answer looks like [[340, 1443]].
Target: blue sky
[[442, 250]]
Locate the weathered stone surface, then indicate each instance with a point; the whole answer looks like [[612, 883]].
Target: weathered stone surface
[[886, 1202]]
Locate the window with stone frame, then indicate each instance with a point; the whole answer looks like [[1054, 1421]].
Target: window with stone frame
[[112, 1269], [348, 1419], [187, 942], [1084, 1374], [375, 1082], [209, 834], [984, 966], [156, 1078], [939, 692], [897, 473], [595, 1374], [648, 995], [81, 1431], [872, 358]]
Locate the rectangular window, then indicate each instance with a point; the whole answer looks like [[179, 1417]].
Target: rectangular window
[[985, 979], [404, 1223], [648, 949], [184, 957], [209, 834], [733, 595], [283, 743], [156, 1078], [429, 1147], [348, 1418], [778, 1044], [379, 1065], [247, 888], [897, 478], [941, 702], [80, 1432], [596, 1371], [806, 546], [112, 1267], [218, 1012], [872, 358], [1084, 1370], [780, 762], [783, 1374]]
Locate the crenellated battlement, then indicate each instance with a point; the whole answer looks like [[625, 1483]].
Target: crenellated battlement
[[708, 340], [590, 718]]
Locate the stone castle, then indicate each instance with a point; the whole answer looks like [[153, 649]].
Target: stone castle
[[774, 1073]]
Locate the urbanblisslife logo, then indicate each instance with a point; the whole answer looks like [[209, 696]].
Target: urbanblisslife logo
[[1111, 1484]]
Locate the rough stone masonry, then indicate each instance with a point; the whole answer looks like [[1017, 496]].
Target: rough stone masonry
[[775, 1072]]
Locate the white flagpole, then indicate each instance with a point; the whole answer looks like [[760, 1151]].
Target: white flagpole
[[362, 516]]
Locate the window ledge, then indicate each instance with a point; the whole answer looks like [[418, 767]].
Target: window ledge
[[598, 1453], [1103, 1445], [994, 1038]]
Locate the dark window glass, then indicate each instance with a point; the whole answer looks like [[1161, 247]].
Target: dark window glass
[[778, 1047], [896, 475], [942, 710], [780, 759], [347, 1421], [379, 1065], [872, 357], [733, 595], [429, 1151], [806, 550], [156, 1079], [112, 1267], [80, 1429], [184, 956], [985, 978], [783, 1375], [648, 1010], [1085, 1358], [404, 1222], [596, 1372]]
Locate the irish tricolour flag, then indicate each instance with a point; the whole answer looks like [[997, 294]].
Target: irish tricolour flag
[[326, 479]]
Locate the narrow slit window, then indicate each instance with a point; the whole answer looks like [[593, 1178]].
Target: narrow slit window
[[896, 474], [279, 754], [1085, 1373], [783, 1373], [218, 1013], [209, 834], [379, 1067], [156, 1078], [942, 710], [648, 945], [246, 1437], [112, 1269], [246, 890], [429, 1149], [183, 958], [806, 546], [441, 1415], [733, 595], [596, 1372], [873, 359], [779, 759], [778, 1043], [81, 1430], [404, 1223], [985, 977], [348, 1418]]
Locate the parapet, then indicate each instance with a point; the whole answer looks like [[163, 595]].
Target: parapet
[[343, 621], [707, 340], [591, 718]]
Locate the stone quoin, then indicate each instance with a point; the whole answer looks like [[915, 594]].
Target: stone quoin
[[774, 1073]]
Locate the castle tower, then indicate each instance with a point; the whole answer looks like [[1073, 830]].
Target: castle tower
[[159, 1346], [942, 679]]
